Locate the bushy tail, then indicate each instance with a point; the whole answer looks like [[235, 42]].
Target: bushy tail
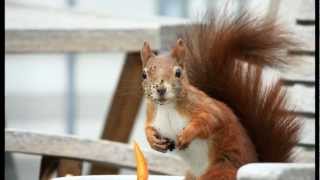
[[226, 55]]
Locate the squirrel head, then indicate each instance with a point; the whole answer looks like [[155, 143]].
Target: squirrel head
[[163, 76]]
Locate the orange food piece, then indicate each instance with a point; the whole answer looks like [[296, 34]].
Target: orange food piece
[[142, 165]]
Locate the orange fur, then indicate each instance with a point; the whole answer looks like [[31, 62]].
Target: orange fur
[[222, 95]]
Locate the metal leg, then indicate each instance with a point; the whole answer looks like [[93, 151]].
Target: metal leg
[[71, 93]]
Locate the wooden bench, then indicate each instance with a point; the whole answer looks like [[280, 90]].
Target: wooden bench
[[300, 15], [101, 151], [68, 31], [77, 32]]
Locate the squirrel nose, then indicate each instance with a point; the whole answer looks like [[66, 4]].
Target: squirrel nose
[[161, 91]]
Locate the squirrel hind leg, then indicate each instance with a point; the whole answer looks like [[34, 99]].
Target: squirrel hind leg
[[220, 171]]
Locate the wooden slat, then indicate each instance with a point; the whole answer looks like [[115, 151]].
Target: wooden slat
[[41, 30], [303, 69], [276, 171], [306, 10], [97, 151], [304, 155], [308, 132], [301, 93], [102, 151], [124, 107], [56, 41], [302, 98], [288, 11], [65, 31], [305, 35]]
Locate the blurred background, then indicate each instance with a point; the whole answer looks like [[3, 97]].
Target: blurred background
[[71, 93]]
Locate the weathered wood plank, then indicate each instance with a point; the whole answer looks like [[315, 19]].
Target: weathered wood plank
[[69, 31], [65, 31], [288, 11], [303, 70], [59, 41], [102, 151], [124, 107], [276, 171], [306, 10], [301, 94], [305, 35], [308, 132], [304, 155], [302, 98]]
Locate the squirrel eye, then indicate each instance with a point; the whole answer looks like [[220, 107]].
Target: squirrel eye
[[144, 75], [178, 73]]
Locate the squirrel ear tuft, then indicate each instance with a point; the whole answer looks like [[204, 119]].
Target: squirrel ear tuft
[[146, 53], [179, 50]]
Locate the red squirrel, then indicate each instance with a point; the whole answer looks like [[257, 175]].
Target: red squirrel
[[206, 100]]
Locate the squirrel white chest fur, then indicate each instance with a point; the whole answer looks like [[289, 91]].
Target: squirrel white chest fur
[[169, 123]]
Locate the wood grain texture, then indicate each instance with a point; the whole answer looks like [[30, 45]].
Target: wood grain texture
[[102, 151], [71, 31], [66, 31], [56, 41], [124, 107], [69, 167]]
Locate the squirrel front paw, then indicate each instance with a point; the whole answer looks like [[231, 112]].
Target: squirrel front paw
[[160, 143], [184, 139]]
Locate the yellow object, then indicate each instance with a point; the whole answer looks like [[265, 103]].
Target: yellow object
[[142, 165]]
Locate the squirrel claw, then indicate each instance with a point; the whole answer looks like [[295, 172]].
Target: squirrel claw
[[171, 145], [160, 143], [163, 146], [182, 143]]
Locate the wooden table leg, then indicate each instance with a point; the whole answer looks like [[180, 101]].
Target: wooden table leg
[[64, 167], [48, 165], [69, 167], [124, 107]]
